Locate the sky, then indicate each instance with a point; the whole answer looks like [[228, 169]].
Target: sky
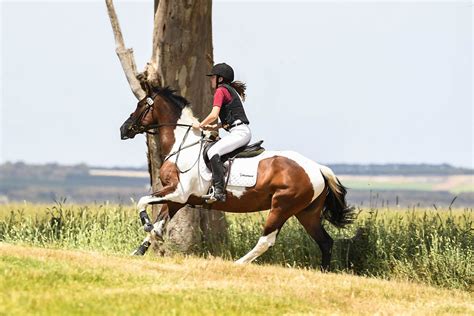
[[340, 82]]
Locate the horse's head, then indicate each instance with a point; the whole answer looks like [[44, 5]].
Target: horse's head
[[161, 106], [140, 119]]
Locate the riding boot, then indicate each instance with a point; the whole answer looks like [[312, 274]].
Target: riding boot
[[217, 180]]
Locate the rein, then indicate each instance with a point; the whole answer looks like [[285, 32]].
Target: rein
[[155, 126], [181, 148]]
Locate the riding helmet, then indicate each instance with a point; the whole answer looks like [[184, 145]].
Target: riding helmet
[[223, 70]]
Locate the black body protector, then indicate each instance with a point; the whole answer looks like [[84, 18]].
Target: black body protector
[[232, 111]]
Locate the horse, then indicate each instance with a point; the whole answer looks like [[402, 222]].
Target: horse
[[287, 183]]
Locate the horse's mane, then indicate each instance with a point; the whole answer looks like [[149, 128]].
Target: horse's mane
[[171, 96]]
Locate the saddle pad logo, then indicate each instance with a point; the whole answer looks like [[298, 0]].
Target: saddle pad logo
[[247, 175]]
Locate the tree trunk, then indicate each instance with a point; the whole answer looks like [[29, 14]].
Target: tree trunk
[[182, 56]]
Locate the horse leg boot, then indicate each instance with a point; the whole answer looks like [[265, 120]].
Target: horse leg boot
[[142, 205], [217, 180]]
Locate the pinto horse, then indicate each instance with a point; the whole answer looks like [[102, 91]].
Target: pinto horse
[[287, 183]]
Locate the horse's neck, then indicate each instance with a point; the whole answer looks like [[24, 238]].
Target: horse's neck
[[180, 132]]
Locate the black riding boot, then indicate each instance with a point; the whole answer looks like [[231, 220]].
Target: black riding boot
[[217, 179]]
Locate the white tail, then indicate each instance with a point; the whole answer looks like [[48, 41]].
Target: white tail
[[333, 182]]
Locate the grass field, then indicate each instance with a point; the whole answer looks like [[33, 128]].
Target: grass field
[[434, 247], [45, 282]]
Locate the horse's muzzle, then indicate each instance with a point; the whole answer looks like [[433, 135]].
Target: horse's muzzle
[[126, 130]]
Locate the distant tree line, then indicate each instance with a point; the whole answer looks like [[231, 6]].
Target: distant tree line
[[399, 169]]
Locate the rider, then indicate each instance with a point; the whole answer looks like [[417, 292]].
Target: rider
[[228, 107]]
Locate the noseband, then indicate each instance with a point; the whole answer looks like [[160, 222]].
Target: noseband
[[137, 125], [139, 128]]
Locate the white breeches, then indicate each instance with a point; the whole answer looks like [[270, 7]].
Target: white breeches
[[239, 136]]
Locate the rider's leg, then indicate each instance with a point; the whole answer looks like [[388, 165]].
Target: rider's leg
[[217, 179], [239, 136]]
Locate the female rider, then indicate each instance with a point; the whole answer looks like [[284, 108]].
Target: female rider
[[228, 107]]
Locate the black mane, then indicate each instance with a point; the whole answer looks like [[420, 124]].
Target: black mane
[[171, 96]]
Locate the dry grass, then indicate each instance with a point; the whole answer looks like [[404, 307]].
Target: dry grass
[[46, 281]]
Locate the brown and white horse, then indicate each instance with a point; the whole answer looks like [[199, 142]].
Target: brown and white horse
[[287, 183]]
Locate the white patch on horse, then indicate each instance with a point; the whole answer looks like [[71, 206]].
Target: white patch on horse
[[312, 169], [145, 200], [189, 182], [262, 245], [236, 191]]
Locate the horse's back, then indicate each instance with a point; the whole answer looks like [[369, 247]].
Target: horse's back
[[310, 167]]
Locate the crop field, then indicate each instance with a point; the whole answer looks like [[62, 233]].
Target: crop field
[[428, 253], [454, 183]]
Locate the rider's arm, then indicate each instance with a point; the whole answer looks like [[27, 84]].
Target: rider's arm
[[212, 127], [219, 97], [211, 117]]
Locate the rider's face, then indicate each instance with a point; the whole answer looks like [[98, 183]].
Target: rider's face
[[213, 81]]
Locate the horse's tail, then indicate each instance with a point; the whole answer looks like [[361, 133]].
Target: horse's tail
[[336, 210]]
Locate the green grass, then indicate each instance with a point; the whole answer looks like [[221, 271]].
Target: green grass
[[426, 246], [42, 281], [462, 188]]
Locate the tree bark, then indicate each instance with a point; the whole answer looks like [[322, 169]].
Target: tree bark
[[182, 55]]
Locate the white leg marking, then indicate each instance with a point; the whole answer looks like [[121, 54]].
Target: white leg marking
[[262, 245], [158, 229], [145, 200]]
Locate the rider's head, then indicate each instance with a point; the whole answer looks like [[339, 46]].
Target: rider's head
[[221, 73]]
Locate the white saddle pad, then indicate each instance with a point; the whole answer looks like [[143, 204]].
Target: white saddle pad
[[243, 172]]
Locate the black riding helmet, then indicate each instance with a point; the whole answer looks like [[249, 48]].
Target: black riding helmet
[[223, 70]]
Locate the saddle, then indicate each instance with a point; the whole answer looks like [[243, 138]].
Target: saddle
[[248, 151]]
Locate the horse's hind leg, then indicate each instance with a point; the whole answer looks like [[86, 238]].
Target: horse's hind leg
[[279, 214], [310, 218], [272, 226]]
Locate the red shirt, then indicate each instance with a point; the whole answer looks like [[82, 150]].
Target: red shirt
[[221, 97]]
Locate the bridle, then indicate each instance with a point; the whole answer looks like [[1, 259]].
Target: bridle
[[139, 128]]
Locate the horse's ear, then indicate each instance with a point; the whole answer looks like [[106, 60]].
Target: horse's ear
[[144, 83]]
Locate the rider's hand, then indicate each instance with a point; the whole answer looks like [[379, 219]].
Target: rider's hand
[[196, 125], [210, 127]]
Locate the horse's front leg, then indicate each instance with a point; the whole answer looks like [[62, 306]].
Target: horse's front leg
[[154, 231], [143, 204], [170, 193]]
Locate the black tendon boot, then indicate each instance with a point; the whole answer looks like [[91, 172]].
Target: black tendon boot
[[217, 180]]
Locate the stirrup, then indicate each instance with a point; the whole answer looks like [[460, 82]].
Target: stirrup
[[211, 197]]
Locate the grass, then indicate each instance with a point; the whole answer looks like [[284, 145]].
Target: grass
[[45, 281], [434, 247]]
